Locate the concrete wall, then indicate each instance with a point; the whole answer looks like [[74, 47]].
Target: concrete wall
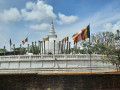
[[60, 82], [52, 63]]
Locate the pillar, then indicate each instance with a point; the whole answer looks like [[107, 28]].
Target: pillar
[[4, 50], [20, 50], [54, 46], [14, 48]]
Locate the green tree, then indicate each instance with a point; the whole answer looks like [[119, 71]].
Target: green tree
[[106, 46], [34, 49], [113, 56], [3, 50]]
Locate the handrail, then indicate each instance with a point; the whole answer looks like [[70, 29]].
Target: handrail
[[56, 56]]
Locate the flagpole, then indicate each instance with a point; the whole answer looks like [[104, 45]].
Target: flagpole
[[54, 47], [64, 46], [10, 45], [69, 47], [90, 51], [44, 47], [48, 46], [76, 48], [27, 45], [67, 44], [40, 47], [59, 48], [10, 48], [90, 55]]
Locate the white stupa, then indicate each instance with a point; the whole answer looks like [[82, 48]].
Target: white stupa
[[49, 45]]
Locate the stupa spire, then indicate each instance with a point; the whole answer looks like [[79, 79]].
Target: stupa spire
[[52, 22], [52, 31]]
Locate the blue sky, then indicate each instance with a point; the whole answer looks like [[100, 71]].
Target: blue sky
[[31, 18]]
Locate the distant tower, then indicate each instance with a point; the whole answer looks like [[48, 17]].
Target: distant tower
[[52, 35], [49, 46]]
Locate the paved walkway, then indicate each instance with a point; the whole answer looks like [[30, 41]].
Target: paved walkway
[[66, 73]]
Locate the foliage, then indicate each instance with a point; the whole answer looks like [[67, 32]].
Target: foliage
[[3, 50], [34, 49], [113, 56], [106, 45]]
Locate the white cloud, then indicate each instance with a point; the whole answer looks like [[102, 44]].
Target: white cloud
[[66, 19], [116, 26], [38, 11], [112, 27], [11, 15], [99, 21], [42, 26], [108, 26]]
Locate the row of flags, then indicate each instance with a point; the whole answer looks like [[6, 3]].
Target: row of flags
[[23, 42], [105, 43], [84, 34], [65, 39]]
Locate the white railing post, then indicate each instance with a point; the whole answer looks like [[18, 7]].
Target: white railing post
[[18, 57], [65, 56], [18, 64], [30, 64], [54, 56], [8, 64], [42, 64], [77, 56], [66, 63], [30, 57]]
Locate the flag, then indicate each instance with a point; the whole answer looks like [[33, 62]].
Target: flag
[[63, 39], [85, 33], [46, 39], [96, 41], [10, 42], [24, 41], [75, 35], [78, 38]]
